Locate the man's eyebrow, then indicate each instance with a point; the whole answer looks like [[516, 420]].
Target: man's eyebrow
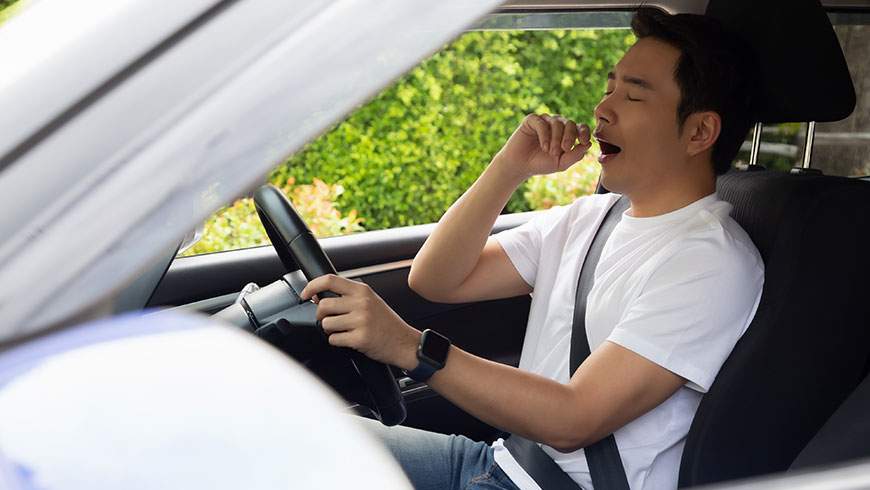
[[640, 82]]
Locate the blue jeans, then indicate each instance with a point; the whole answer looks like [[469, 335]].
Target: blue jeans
[[438, 462]]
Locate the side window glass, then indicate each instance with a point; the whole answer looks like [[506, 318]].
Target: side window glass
[[782, 147], [404, 157], [843, 147]]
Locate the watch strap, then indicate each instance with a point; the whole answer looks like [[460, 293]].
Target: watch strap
[[422, 372]]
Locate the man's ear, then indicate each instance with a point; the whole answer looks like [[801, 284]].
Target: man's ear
[[702, 130]]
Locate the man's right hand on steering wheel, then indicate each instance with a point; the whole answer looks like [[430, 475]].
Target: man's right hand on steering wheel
[[361, 320]]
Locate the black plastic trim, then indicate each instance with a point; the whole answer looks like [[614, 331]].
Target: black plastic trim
[[201, 277]]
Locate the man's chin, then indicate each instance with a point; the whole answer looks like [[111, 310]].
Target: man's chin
[[611, 181]]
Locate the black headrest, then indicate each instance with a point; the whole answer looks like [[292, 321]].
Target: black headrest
[[804, 76], [809, 342]]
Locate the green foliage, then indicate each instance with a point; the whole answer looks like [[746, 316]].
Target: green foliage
[[409, 153], [8, 8], [546, 191], [404, 157], [237, 225], [791, 135]]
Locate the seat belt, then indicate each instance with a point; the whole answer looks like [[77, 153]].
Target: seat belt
[[605, 465]]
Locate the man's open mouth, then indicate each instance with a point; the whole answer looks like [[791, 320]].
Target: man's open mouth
[[608, 148]]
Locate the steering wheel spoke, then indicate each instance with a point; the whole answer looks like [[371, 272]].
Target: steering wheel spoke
[[298, 250]]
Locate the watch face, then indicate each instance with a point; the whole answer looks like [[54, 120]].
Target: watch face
[[434, 347]]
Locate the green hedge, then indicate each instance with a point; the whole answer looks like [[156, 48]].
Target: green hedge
[[7, 10], [238, 226], [404, 157]]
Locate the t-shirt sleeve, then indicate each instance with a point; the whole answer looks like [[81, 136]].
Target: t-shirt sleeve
[[692, 310], [524, 243]]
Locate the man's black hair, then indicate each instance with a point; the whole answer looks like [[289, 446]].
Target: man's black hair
[[715, 72]]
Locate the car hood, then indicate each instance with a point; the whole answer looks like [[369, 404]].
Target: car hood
[[124, 125]]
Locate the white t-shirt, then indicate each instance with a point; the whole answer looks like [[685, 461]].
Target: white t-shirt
[[678, 289]]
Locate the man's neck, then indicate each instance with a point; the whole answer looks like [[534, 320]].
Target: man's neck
[[664, 200]]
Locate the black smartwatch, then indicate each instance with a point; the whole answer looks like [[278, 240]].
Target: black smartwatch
[[431, 355]]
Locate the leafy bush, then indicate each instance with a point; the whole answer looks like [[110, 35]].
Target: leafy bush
[[404, 157], [8, 8], [546, 191], [408, 154], [237, 225]]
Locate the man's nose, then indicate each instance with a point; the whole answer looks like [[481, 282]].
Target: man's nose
[[603, 112]]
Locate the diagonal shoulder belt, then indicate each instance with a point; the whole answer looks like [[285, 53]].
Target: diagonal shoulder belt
[[605, 465]]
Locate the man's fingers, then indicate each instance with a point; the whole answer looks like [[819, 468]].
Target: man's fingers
[[555, 134], [541, 128], [340, 323], [328, 282], [572, 157], [584, 134], [333, 306], [344, 339], [569, 136], [557, 129]]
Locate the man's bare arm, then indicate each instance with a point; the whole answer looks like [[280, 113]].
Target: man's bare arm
[[611, 388], [459, 262]]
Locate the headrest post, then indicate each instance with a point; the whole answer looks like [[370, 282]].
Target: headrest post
[[808, 148], [756, 144]]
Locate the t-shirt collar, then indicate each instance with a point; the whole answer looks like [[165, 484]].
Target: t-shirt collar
[[674, 216]]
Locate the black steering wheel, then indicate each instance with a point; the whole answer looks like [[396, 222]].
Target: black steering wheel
[[298, 249]]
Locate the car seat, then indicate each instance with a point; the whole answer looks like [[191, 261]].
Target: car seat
[[807, 347], [845, 436]]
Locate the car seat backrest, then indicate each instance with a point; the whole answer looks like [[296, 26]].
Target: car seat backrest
[[845, 436], [806, 348]]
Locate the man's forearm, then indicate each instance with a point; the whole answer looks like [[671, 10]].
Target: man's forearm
[[510, 399], [452, 250], [612, 387]]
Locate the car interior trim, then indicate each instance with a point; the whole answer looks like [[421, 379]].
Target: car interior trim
[[184, 282], [671, 6], [211, 305], [846, 4], [208, 305], [376, 269], [548, 20]]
